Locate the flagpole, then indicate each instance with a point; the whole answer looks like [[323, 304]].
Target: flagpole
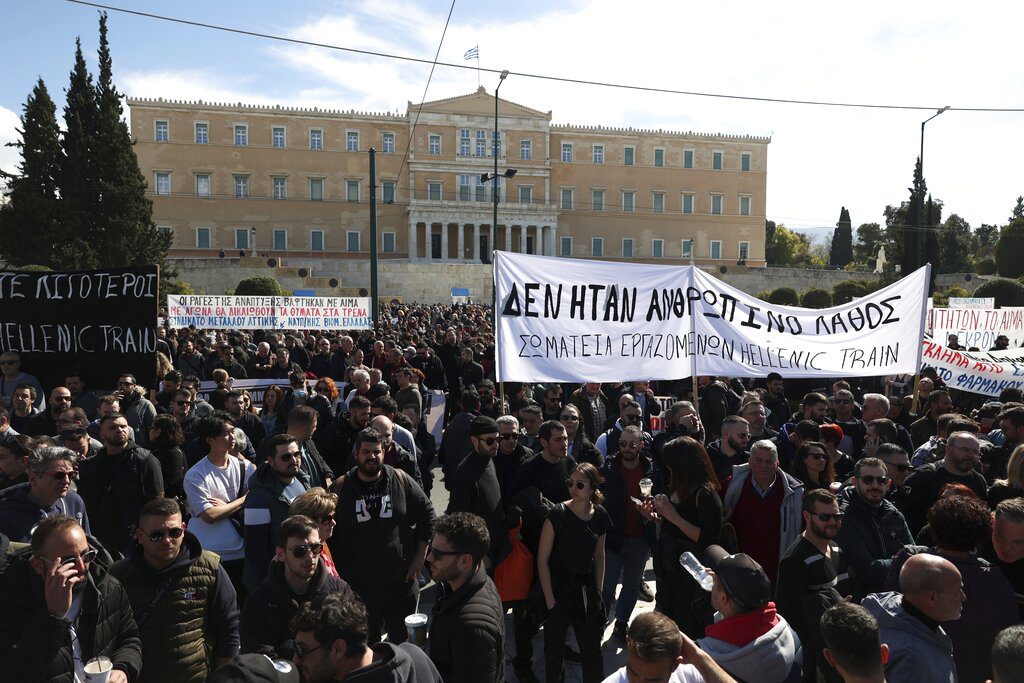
[[478, 66]]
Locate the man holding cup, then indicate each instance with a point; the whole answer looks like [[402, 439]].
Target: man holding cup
[[60, 609]]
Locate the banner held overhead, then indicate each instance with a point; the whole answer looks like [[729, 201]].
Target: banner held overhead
[[268, 312], [578, 320]]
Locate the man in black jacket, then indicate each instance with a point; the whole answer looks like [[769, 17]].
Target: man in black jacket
[[170, 579], [248, 422], [962, 453], [873, 529], [467, 636], [297, 576], [474, 484], [455, 442], [384, 514], [335, 440], [302, 422], [59, 608]]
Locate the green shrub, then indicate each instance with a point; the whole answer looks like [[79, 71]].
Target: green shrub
[[1009, 249], [259, 285], [848, 290], [764, 294], [1006, 292], [32, 268], [784, 296], [986, 266], [816, 298]]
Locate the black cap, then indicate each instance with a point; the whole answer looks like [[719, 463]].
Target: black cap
[[482, 424], [741, 577], [254, 668]]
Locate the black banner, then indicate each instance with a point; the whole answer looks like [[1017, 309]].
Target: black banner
[[100, 322]]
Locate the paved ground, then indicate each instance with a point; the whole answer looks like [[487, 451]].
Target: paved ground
[[613, 648]]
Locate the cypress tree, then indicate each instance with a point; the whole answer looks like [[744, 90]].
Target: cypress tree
[[30, 227], [79, 184], [842, 241], [126, 233]]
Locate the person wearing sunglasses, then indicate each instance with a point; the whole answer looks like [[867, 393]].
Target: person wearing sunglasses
[[474, 486], [897, 465], [813, 577], [579, 446], [48, 492], [297, 575], [170, 579], [321, 506], [959, 465], [277, 482], [813, 466], [11, 376], [59, 608], [631, 416], [873, 529]]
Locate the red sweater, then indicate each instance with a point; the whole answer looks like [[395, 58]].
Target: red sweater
[[758, 523]]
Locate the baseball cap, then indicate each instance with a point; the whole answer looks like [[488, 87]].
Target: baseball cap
[[741, 577], [482, 424], [255, 668]]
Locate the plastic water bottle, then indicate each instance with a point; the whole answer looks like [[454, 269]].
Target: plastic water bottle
[[697, 570]]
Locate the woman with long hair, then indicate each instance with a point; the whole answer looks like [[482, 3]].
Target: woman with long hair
[[270, 413], [326, 387], [689, 516], [166, 438], [1013, 485], [220, 393], [570, 566], [319, 505], [813, 466]]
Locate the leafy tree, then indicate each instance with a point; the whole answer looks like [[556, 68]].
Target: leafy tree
[[842, 241], [1018, 209], [784, 296], [1006, 292], [816, 298], [259, 285], [986, 266], [1009, 249], [30, 223], [986, 237], [783, 247], [870, 238], [956, 246]]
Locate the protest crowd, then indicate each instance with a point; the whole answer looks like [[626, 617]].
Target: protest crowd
[[272, 495]]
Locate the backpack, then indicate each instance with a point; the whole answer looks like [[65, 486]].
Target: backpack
[[513, 576]]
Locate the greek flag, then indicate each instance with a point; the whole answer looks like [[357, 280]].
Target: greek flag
[[472, 53]]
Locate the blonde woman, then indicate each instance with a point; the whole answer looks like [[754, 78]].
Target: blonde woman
[[319, 505], [1013, 485]]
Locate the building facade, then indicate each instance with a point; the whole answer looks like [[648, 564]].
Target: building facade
[[295, 182]]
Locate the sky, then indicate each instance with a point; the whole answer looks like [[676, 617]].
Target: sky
[[925, 54]]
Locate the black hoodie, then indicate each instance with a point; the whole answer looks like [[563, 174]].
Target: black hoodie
[[403, 663]]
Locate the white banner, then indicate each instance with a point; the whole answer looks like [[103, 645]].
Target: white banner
[[982, 372], [979, 327], [574, 320], [972, 302], [268, 312]]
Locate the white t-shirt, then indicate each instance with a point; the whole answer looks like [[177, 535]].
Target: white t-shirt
[[206, 480], [684, 673]]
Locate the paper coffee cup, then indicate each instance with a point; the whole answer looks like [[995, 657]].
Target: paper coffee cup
[[416, 627], [98, 670]]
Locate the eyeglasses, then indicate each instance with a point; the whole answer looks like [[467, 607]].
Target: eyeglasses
[[60, 475], [490, 441], [510, 435], [869, 480], [157, 536], [570, 417], [183, 403], [578, 484], [899, 467], [829, 516], [289, 456], [441, 553], [9, 362], [629, 444], [816, 456], [299, 551], [630, 418], [86, 556], [301, 651]]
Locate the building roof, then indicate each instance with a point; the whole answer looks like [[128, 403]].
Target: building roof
[[481, 103]]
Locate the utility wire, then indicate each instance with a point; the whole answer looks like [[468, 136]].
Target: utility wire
[[522, 74]]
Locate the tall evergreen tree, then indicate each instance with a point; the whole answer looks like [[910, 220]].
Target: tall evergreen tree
[[841, 252], [79, 184], [30, 223], [126, 233]]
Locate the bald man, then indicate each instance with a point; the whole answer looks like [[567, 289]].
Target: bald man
[[394, 454], [932, 593]]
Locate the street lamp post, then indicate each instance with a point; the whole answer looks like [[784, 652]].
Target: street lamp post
[[921, 157], [920, 217], [494, 148], [252, 231]]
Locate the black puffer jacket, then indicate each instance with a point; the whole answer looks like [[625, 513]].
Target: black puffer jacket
[[467, 636], [36, 646], [869, 538]]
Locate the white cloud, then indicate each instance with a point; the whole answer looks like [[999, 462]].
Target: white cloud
[[821, 158]]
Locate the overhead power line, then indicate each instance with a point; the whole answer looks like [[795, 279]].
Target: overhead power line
[[545, 77]]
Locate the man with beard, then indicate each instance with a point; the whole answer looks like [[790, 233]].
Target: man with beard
[[426, 362], [80, 398], [261, 362], [812, 578], [962, 453], [118, 482], [1007, 548], [47, 493], [626, 549], [387, 516], [756, 416], [474, 485], [59, 608], [45, 423], [939, 404], [510, 456], [876, 407], [873, 529], [195, 592], [320, 363], [301, 426], [467, 633], [297, 576], [853, 429], [394, 454], [248, 422], [335, 441], [994, 461], [135, 407], [775, 401], [630, 416], [897, 464], [333, 643], [272, 489], [593, 406], [731, 449]]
